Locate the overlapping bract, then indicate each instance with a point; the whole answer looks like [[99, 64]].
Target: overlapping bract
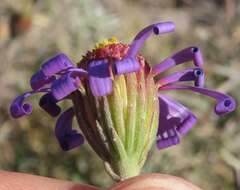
[[58, 78]]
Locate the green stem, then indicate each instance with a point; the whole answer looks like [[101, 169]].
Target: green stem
[[123, 169]]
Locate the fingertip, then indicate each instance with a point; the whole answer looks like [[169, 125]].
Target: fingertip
[[155, 182], [17, 181]]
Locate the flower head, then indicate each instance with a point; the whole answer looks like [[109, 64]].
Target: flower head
[[118, 100]]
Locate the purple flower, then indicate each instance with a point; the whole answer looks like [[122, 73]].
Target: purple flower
[[119, 101]]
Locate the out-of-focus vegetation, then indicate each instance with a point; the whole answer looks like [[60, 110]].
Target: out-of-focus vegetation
[[31, 31]]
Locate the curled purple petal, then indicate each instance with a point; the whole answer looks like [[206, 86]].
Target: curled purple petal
[[18, 108], [49, 103], [129, 63], [39, 80], [67, 84], [99, 78], [59, 62], [187, 124], [71, 141], [157, 29], [174, 118], [200, 78], [225, 104], [197, 57], [185, 55], [167, 138], [64, 86], [174, 114], [66, 136], [192, 74], [163, 27], [126, 65]]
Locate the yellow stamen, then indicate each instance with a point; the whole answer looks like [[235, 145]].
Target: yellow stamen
[[106, 42]]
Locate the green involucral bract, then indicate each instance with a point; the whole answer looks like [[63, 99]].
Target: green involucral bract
[[122, 126]]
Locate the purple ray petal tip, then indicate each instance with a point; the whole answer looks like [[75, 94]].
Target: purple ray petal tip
[[187, 124], [191, 74], [64, 86], [100, 87], [66, 136], [18, 110], [199, 74], [197, 57], [174, 118], [225, 106], [71, 141], [225, 103], [162, 144], [99, 78], [48, 103], [126, 65], [163, 27], [180, 57], [56, 64]]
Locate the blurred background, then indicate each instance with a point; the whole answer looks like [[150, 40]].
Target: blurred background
[[33, 30]]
